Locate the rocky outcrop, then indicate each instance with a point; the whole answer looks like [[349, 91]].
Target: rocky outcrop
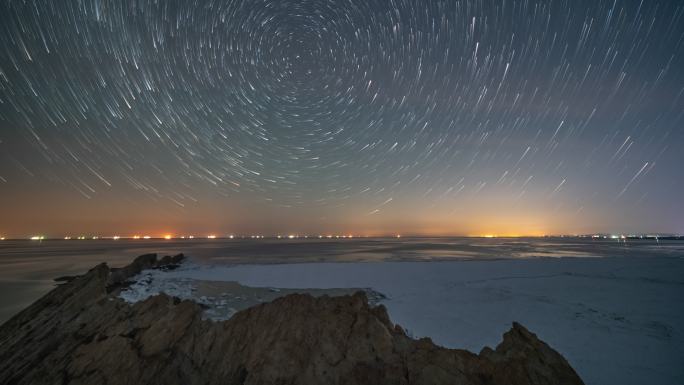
[[82, 333], [117, 277]]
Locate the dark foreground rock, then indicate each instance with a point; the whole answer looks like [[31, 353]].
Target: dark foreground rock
[[82, 333]]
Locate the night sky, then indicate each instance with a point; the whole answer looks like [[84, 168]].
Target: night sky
[[367, 117]]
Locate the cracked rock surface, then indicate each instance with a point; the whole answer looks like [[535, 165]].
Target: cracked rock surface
[[83, 333]]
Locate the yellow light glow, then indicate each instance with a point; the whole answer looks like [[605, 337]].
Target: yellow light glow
[[167, 237], [146, 237], [2, 238], [136, 237], [116, 237], [212, 236]]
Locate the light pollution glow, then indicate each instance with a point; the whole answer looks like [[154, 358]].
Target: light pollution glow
[[433, 117]]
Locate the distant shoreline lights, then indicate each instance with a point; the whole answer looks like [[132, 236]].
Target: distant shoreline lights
[[214, 236]]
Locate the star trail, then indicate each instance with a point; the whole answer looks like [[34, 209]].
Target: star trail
[[414, 116]]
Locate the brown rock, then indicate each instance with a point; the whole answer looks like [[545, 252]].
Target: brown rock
[[81, 333], [118, 277]]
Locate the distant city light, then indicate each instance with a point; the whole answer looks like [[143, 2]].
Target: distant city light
[[67, 238], [212, 237], [37, 238], [146, 237], [231, 236], [167, 236], [116, 237], [2, 238]]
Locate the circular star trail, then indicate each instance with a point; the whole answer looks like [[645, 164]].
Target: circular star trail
[[356, 108]]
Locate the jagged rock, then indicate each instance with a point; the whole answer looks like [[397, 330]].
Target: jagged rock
[[143, 262], [82, 333]]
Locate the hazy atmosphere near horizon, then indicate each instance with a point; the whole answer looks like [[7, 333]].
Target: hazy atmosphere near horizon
[[324, 116]]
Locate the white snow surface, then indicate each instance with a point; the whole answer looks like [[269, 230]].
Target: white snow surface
[[152, 282], [616, 320]]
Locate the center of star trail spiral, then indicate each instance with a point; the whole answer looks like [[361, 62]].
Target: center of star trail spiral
[[370, 105]]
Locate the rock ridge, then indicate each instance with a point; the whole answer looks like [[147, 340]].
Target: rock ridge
[[82, 333]]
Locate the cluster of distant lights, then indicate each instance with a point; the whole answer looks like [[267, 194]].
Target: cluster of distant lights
[[211, 236], [295, 236], [622, 236]]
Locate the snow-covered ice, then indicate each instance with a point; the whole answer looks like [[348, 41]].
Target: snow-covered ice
[[616, 320], [221, 299]]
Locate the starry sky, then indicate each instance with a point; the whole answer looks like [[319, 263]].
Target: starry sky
[[449, 117]]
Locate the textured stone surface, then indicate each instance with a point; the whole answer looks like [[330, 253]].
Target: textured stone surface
[[81, 333]]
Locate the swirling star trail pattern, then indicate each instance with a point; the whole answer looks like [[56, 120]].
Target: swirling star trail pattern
[[423, 116]]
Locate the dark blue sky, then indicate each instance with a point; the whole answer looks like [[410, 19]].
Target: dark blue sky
[[265, 116]]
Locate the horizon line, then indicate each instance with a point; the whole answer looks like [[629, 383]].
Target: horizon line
[[170, 237]]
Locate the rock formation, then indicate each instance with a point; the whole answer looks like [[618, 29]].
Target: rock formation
[[82, 333]]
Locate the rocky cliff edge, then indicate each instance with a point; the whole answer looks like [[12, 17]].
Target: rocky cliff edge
[[83, 333]]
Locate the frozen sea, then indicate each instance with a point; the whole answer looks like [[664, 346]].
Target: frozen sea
[[614, 310]]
